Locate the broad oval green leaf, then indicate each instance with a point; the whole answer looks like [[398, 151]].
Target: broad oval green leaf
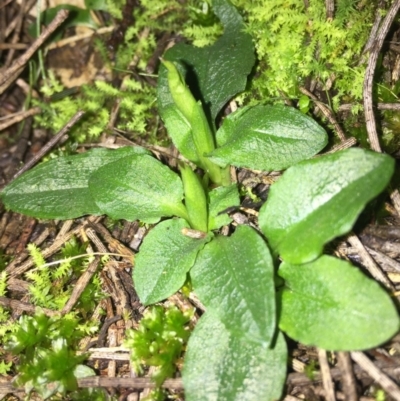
[[234, 276], [219, 72], [58, 189], [267, 138], [333, 305], [320, 199], [221, 365], [138, 187], [164, 259]]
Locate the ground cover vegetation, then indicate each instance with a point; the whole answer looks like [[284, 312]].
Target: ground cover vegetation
[[256, 283]]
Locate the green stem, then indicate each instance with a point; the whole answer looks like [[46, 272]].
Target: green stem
[[180, 211], [201, 132], [195, 198]]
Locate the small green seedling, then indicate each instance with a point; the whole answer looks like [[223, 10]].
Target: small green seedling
[[237, 350]]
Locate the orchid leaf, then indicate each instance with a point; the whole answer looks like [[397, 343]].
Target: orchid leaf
[[320, 199], [138, 187], [165, 257], [217, 74], [222, 365], [59, 188], [241, 270], [267, 138], [333, 305]]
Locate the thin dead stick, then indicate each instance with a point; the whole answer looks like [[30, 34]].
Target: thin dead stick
[[348, 143], [15, 270], [113, 244], [326, 376], [15, 38], [77, 38], [23, 306], [66, 226], [136, 383], [369, 263], [385, 382], [11, 26], [26, 88], [330, 9], [369, 75], [5, 3], [115, 356], [19, 117], [6, 77], [395, 197], [17, 46], [379, 106], [291, 398], [386, 262], [348, 379], [326, 112], [375, 43], [301, 379], [49, 145], [80, 285], [375, 27]]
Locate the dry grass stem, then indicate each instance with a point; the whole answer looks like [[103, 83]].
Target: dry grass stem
[[374, 48], [326, 375], [384, 381]]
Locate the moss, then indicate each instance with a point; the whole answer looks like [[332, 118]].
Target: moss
[[295, 42]]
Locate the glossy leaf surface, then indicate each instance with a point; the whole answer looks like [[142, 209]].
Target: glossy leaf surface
[[267, 138], [221, 198], [240, 270], [221, 365], [165, 257], [137, 187], [320, 199], [333, 305], [217, 72], [58, 189]]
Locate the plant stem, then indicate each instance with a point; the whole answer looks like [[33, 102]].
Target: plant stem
[[180, 211], [192, 110], [195, 198]]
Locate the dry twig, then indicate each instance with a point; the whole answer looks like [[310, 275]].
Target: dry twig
[[395, 197], [379, 106], [326, 112], [8, 76], [348, 143], [369, 263], [385, 382], [348, 380], [375, 49], [18, 117], [50, 144], [81, 284], [15, 269], [330, 9], [326, 375], [23, 306]]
